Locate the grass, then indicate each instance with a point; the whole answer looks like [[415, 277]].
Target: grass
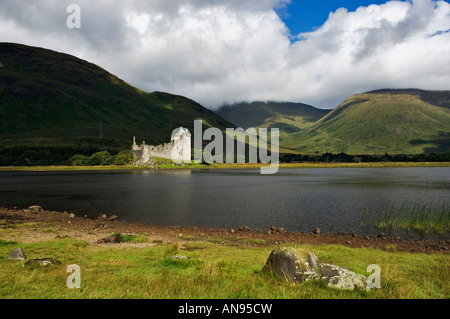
[[171, 166], [213, 271], [420, 217], [375, 123], [132, 238]]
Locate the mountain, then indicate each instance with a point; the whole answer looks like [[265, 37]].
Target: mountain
[[403, 121], [289, 117], [54, 99], [394, 121]]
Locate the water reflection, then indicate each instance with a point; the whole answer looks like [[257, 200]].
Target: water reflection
[[297, 199]]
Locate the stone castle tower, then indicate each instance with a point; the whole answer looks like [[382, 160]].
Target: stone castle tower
[[178, 150]]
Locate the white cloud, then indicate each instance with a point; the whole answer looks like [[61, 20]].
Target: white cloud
[[231, 50]]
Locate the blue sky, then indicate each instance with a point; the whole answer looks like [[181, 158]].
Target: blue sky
[[305, 16]]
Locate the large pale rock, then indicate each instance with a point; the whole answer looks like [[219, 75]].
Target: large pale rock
[[342, 278], [299, 265], [296, 265]]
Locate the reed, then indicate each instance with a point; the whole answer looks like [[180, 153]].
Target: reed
[[421, 217]]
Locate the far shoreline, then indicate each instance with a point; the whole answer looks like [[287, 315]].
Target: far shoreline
[[228, 166]]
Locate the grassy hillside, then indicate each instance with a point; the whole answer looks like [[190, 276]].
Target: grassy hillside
[[408, 121], [53, 99], [392, 121], [287, 116]]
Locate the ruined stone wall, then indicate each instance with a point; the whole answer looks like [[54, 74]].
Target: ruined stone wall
[[179, 149]]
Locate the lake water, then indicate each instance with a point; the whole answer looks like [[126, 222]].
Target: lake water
[[333, 199]]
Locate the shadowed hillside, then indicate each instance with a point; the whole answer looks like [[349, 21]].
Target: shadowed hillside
[[53, 99]]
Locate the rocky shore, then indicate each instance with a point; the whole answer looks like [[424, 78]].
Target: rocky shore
[[36, 224]]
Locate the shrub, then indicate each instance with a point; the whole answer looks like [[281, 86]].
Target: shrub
[[77, 160], [99, 158], [123, 158]]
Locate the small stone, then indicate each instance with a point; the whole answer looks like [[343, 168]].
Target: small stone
[[316, 231], [176, 257], [35, 209], [113, 217], [114, 239], [43, 262], [244, 228], [348, 242], [103, 216], [99, 226], [72, 215], [17, 254], [276, 230]]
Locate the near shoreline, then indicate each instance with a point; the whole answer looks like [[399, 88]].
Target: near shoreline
[[163, 262], [25, 226]]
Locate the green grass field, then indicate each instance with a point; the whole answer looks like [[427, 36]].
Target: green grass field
[[214, 271]]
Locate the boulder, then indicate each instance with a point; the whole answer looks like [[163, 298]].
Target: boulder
[[17, 254], [43, 262], [342, 278], [296, 265]]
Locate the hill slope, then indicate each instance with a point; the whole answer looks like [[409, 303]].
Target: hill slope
[[53, 99], [394, 121], [287, 116]]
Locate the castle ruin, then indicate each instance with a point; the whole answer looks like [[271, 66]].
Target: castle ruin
[[178, 150]]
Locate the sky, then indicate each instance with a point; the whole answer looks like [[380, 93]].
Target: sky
[[226, 51], [305, 16]]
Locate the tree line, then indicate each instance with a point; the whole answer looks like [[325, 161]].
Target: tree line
[[365, 158], [45, 156]]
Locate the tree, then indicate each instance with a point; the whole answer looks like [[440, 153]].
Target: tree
[[123, 158], [77, 160], [99, 158]]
